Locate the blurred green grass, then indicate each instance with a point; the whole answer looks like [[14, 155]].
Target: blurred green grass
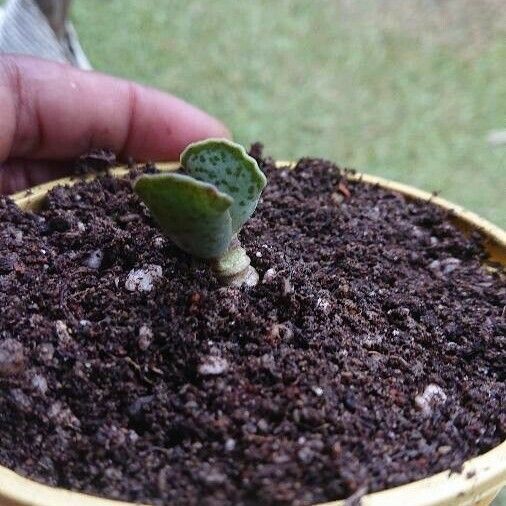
[[407, 90]]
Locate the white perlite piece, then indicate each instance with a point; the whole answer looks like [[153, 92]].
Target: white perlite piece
[[143, 280], [62, 331], [370, 340], [230, 445], [250, 278], [269, 275], [318, 391], [431, 397], [446, 266], [213, 366], [145, 337], [39, 383], [62, 415], [323, 305], [94, 260], [159, 242]]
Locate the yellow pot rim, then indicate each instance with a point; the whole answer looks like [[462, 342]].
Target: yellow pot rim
[[481, 477]]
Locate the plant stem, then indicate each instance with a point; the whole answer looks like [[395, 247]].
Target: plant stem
[[234, 267]]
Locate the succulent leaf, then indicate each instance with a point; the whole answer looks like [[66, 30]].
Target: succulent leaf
[[229, 168], [194, 214]]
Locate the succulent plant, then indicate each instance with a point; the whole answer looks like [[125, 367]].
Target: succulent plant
[[203, 207]]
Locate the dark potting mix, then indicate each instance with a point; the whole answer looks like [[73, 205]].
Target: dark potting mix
[[371, 353]]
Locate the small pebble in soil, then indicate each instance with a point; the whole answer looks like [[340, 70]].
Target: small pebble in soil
[[287, 287], [145, 337], [269, 275], [63, 333], [318, 391], [323, 305], [337, 198], [159, 242], [446, 266], [432, 396], [450, 264], [39, 383], [144, 279], [372, 340], [230, 445], [212, 477], [213, 366], [12, 357], [443, 450], [279, 331], [94, 260], [62, 415], [305, 455], [250, 279]]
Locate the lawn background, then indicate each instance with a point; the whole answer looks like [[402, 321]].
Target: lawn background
[[407, 89]]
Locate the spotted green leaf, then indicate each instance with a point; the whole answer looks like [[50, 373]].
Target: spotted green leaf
[[194, 214], [228, 167]]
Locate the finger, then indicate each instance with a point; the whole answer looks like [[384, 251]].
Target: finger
[[55, 112]]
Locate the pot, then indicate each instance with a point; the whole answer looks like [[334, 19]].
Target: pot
[[481, 477]]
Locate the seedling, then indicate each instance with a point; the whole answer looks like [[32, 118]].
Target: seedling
[[203, 207]]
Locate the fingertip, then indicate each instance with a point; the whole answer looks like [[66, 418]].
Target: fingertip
[[162, 126], [193, 123], [221, 131], [199, 127]]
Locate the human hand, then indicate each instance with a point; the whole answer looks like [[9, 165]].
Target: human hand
[[50, 114]]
